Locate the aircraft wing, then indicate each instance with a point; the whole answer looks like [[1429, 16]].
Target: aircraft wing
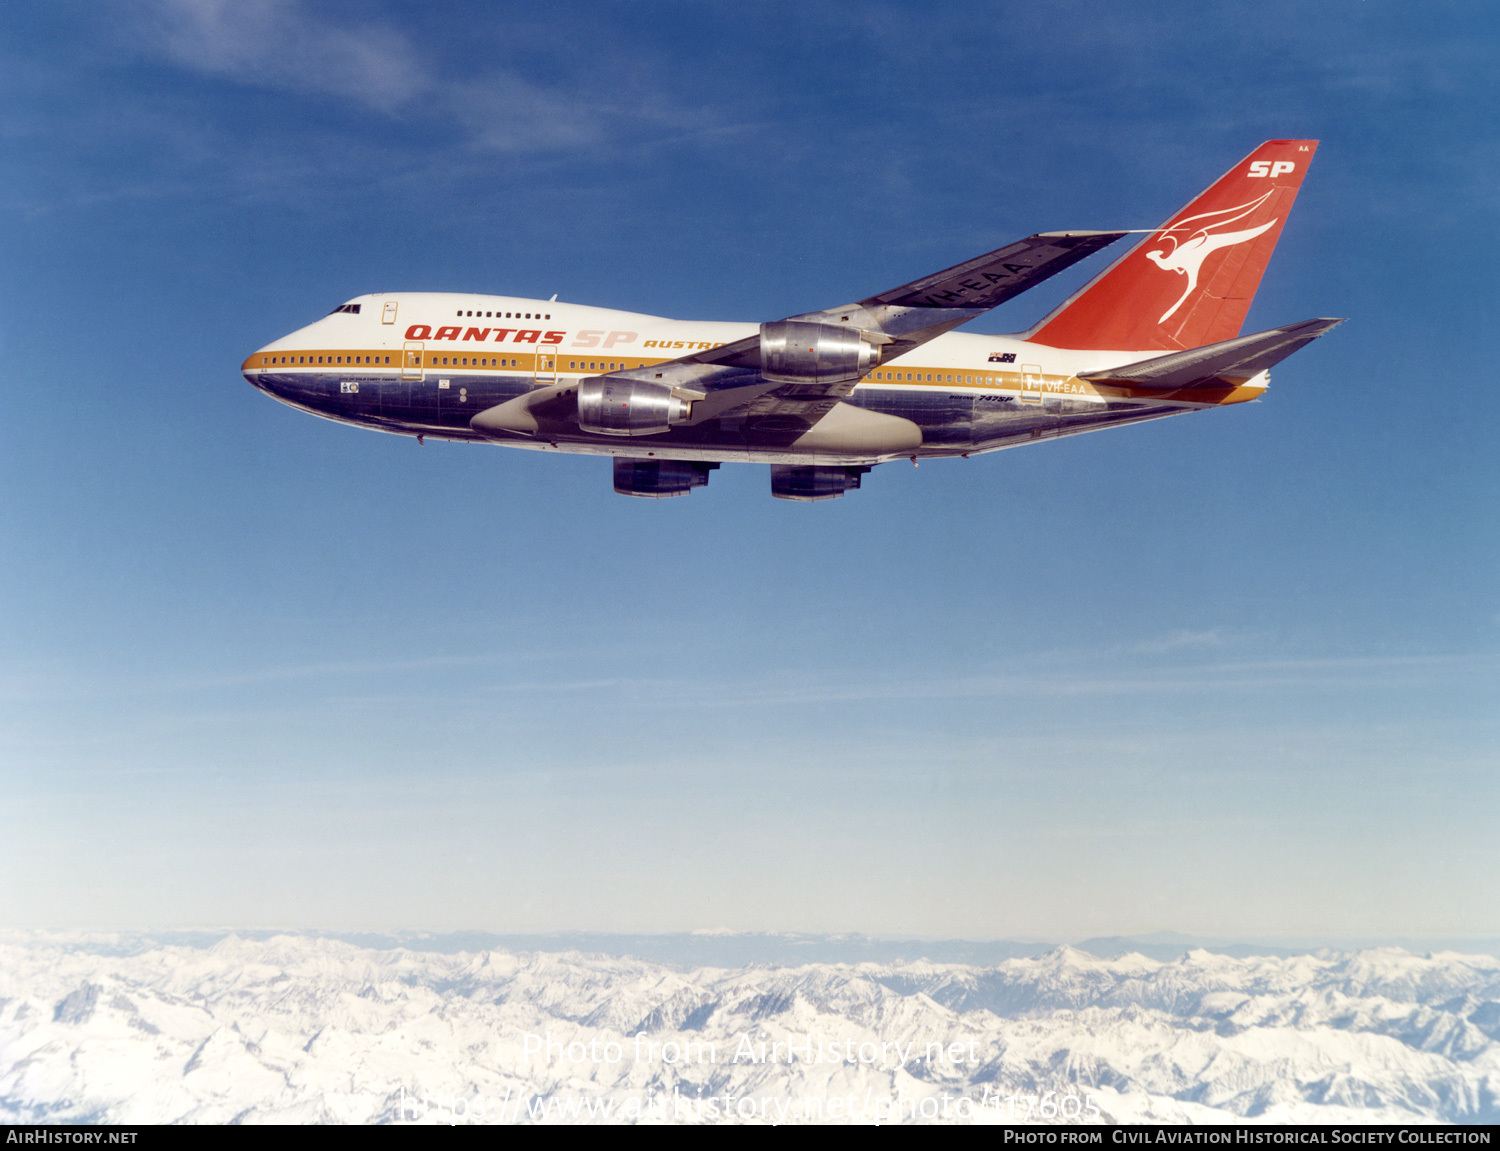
[[912, 314], [976, 285]]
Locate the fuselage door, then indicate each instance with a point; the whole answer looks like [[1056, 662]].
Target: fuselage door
[[544, 373], [1031, 384], [411, 362], [388, 316]]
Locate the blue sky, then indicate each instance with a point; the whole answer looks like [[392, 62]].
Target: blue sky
[[1230, 674]]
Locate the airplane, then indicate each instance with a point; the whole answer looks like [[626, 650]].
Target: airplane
[[823, 397]]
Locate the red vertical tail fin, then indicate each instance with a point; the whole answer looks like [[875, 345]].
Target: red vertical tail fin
[[1190, 282]]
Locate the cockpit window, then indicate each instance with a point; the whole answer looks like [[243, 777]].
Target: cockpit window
[[352, 309]]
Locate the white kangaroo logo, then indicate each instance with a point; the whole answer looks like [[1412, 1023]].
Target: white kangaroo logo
[[1186, 257]]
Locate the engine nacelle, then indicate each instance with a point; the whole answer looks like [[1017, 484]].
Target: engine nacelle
[[616, 407], [815, 482], [796, 352], [659, 479]]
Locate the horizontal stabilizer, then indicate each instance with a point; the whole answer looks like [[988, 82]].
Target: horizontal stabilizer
[[1232, 361]]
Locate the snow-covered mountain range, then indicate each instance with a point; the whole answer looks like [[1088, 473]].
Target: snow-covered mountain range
[[309, 1029]]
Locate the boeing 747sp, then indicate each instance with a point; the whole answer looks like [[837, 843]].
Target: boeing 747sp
[[825, 396]]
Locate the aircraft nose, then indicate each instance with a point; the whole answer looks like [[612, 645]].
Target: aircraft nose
[[257, 370]]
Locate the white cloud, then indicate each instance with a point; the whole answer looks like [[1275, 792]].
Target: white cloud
[[279, 44], [286, 45], [1182, 638]]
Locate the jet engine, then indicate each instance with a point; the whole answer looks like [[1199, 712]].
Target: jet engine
[[817, 482], [659, 479], [623, 407], [797, 352]]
